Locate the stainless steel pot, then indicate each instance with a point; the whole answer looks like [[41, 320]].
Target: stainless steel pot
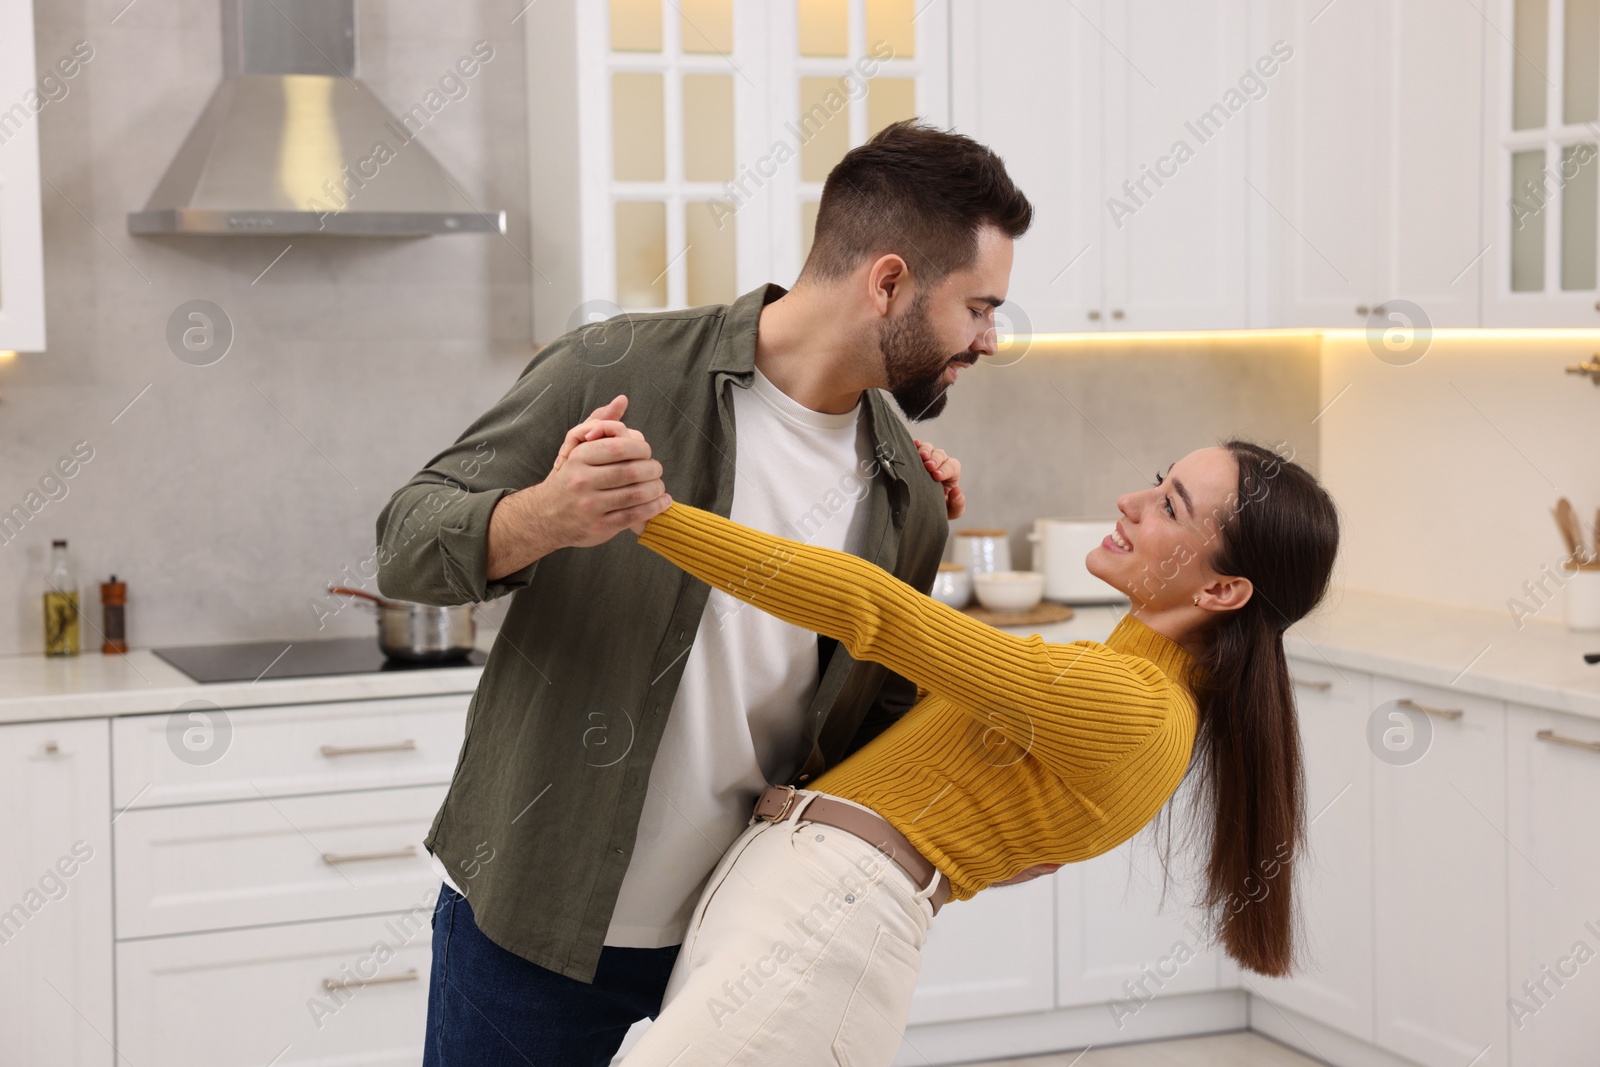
[[419, 632]]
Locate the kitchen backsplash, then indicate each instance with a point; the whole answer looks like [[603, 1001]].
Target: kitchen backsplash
[[226, 496], [1447, 469], [1064, 431]]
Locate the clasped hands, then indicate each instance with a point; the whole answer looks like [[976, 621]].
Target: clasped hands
[[609, 465]]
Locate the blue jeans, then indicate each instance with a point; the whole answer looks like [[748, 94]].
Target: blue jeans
[[488, 1007]]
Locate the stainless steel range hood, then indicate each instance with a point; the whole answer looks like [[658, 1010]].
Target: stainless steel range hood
[[292, 143]]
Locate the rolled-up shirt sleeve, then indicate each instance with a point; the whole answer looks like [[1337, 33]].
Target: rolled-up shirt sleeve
[[433, 534]]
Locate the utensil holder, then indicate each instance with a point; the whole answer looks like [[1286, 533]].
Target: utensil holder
[[1583, 597]]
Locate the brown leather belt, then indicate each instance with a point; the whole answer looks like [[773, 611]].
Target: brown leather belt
[[778, 802]]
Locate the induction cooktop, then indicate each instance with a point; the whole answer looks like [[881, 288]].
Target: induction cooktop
[[257, 660]]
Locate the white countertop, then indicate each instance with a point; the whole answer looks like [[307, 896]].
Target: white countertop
[[1475, 651], [1444, 645], [91, 685]]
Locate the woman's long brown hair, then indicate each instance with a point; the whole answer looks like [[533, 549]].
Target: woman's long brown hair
[[1249, 782]]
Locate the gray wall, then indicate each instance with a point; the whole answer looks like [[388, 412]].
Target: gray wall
[[1064, 431], [228, 495]]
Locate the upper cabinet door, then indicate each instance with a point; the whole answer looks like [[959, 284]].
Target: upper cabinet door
[[1432, 249], [21, 258], [1322, 202], [1025, 80], [1542, 128], [1180, 95], [1375, 141]]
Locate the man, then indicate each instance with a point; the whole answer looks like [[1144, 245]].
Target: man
[[628, 716]]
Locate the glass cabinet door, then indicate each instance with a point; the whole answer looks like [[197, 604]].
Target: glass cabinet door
[[725, 117], [1549, 140]]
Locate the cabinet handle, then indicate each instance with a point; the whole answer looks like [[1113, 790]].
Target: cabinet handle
[[334, 858], [1551, 735], [333, 985], [334, 751], [51, 750], [1321, 687], [1095, 315], [1443, 713], [1362, 309], [1116, 313]]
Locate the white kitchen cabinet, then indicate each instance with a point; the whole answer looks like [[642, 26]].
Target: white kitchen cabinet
[[678, 151], [1541, 125], [1026, 82], [21, 244], [1087, 104], [1374, 147], [991, 955], [306, 995], [1118, 943], [283, 751], [55, 894], [1173, 207], [209, 866], [1439, 883], [1334, 879], [1553, 796]]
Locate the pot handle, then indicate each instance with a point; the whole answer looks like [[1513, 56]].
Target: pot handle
[[362, 593]]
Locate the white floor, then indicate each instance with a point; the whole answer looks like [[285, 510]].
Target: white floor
[[1239, 1049]]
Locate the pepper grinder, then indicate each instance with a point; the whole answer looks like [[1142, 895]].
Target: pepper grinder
[[113, 601]]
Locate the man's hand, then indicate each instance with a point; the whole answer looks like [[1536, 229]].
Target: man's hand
[[945, 469], [1030, 874], [604, 481]]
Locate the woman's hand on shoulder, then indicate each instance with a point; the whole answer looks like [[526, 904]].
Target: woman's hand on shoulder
[[946, 470]]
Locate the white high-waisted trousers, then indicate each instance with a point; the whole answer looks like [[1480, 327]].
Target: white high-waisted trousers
[[803, 951]]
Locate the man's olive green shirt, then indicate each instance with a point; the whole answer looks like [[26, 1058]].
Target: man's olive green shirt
[[539, 823]]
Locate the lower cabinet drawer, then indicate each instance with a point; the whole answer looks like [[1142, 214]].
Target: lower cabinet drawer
[[201, 753], [344, 992], [214, 866]]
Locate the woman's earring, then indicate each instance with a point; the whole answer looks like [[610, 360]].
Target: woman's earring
[[1197, 601]]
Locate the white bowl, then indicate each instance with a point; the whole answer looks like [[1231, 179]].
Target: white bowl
[[1009, 590]]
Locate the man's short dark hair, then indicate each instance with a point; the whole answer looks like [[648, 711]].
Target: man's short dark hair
[[916, 191]]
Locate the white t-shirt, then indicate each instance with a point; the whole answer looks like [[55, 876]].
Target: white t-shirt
[[737, 722]]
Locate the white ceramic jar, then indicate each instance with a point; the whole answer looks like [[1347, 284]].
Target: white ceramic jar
[[982, 551]]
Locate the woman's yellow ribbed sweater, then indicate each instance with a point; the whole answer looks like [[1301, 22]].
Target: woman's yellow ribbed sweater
[[1018, 752]]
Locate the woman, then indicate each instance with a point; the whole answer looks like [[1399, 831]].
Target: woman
[[1019, 756]]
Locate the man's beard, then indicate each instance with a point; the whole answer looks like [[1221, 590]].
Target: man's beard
[[913, 363]]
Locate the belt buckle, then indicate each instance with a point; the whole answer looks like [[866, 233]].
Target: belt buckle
[[783, 812]]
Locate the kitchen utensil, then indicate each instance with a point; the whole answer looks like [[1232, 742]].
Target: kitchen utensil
[[982, 551], [1009, 590], [1571, 532], [419, 632], [1059, 548], [953, 585]]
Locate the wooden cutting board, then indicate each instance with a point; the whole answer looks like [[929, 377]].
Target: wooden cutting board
[[1038, 615]]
